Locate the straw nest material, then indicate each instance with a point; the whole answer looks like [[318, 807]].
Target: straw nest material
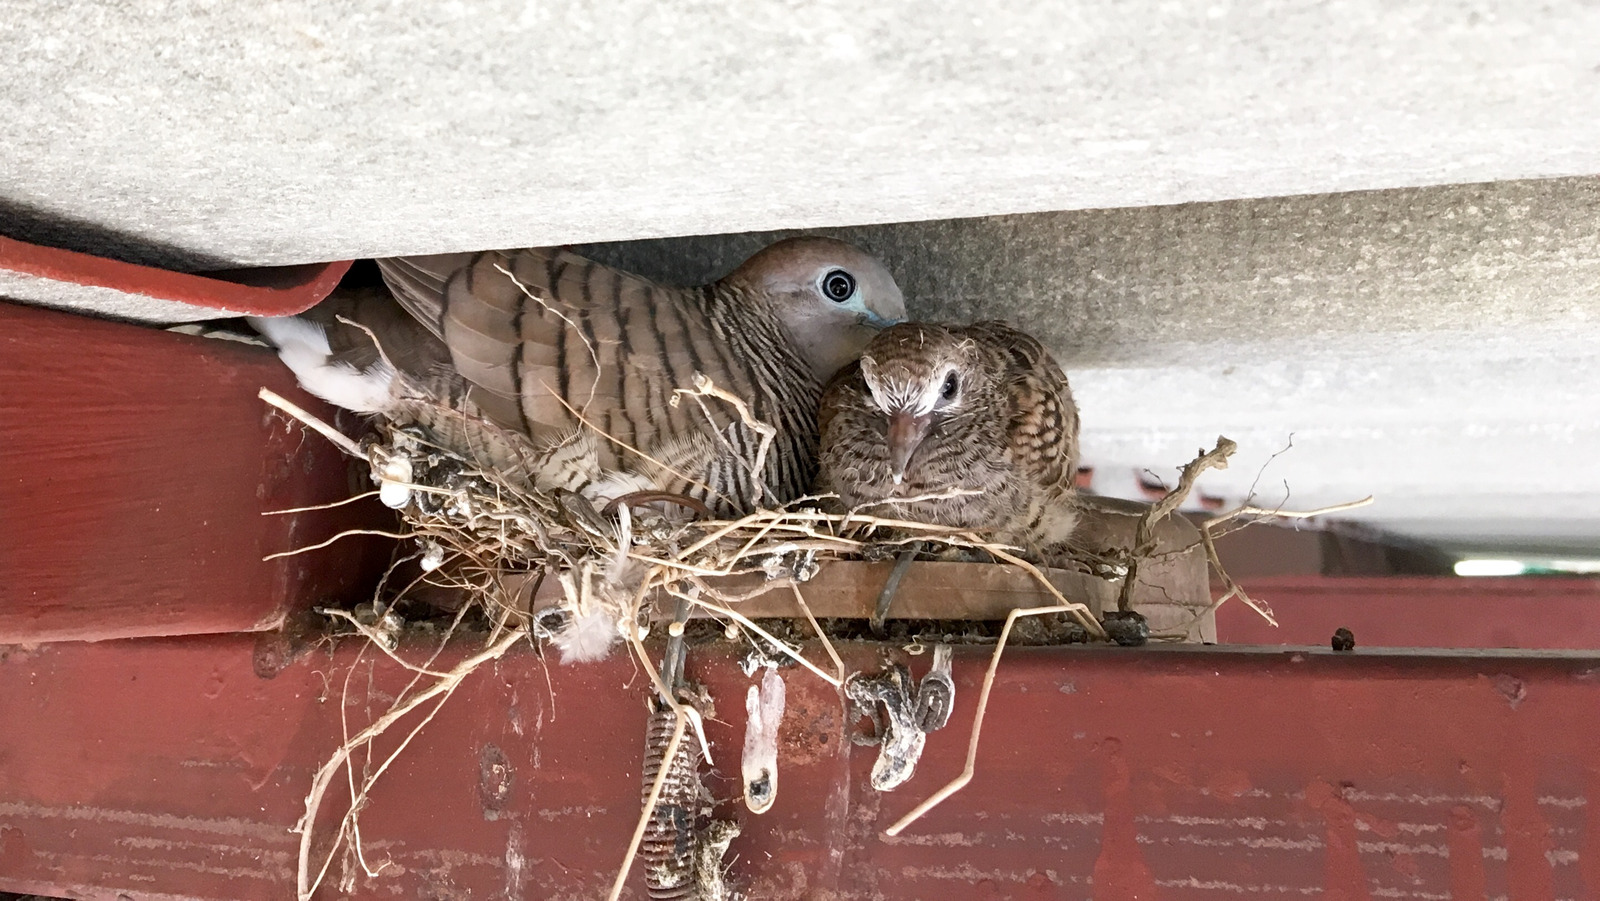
[[489, 534], [485, 531]]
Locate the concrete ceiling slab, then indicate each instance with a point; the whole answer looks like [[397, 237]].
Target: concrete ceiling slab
[[208, 135]]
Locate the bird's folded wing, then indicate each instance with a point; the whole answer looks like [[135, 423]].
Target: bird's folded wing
[[1044, 418], [546, 337], [418, 284], [382, 325]]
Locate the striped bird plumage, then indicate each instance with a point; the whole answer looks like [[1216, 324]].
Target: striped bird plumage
[[584, 361], [967, 426]]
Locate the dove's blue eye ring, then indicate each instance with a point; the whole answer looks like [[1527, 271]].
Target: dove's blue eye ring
[[838, 286]]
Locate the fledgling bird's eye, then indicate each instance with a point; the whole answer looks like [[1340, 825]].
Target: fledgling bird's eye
[[838, 286], [951, 387]]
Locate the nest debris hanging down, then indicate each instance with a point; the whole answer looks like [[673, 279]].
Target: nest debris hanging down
[[483, 530]]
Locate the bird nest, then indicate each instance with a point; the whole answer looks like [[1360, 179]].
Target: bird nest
[[550, 565], [589, 576]]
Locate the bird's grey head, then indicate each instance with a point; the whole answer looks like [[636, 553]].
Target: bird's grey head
[[920, 375], [833, 297]]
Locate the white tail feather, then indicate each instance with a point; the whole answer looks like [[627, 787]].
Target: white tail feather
[[303, 347]]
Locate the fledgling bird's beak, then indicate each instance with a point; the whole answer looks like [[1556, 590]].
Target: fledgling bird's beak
[[906, 431]]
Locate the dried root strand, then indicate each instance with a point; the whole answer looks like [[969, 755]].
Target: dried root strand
[[971, 767], [308, 876], [1232, 589], [1144, 540]]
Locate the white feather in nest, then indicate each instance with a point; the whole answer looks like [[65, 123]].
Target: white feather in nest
[[303, 347], [587, 637], [596, 598]]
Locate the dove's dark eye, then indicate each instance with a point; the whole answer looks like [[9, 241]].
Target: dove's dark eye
[[951, 387], [838, 286]]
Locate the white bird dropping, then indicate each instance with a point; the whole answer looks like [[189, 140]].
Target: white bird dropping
[[764, 705], [394, 482]]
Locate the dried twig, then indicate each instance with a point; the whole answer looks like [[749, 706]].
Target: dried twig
[[586, 423], [668, 754], [945, 495], [1233, 589], [372, 636], [703, 388], [330, 504], [1081, 611], [322, 428], [534, 296], [347, 533], [748, 623], [1144, 540], [838, 663], [305, 884], [1248, 510]]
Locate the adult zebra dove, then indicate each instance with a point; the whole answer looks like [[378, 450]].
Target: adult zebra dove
[[979, 413], [560, 349]]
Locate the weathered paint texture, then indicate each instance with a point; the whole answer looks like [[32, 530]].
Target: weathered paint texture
[[170, 768], [136, 467], [54, 277], [1527, 613]]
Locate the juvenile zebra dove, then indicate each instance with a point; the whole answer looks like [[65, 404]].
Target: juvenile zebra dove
[[584, 361], [968, 426]]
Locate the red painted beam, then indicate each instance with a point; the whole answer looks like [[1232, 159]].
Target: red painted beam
[[277, 291], [135, 468], [176, 768], [1529, 612]]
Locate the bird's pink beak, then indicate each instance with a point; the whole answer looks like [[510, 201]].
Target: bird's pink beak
[[906, 431]]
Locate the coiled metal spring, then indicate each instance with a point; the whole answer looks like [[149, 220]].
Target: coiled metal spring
[[669, 845]]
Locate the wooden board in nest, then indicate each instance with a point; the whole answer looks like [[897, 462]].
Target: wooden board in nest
[[1171, 589]]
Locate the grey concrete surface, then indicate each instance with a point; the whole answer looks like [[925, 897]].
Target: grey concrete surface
[[210, 134]]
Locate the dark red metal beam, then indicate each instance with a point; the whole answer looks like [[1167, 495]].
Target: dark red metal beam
[[278, 291], [176, 768], [135, 468], [1530, 612]]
